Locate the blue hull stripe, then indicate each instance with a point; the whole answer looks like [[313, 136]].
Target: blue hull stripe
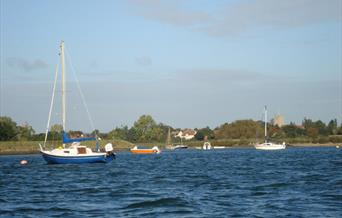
[[52, 159]]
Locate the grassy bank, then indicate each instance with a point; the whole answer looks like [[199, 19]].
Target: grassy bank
[[32, 147]]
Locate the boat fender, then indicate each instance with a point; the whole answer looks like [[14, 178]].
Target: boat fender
[[23, 162]]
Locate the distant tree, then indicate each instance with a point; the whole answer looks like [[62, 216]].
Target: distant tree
[[322, 129], [332, 127], [163, 132], [132, 135], [201, 133], [57, 128], [55, 132], [38, 137], [307, 123], [147, 130], [239, 129], [8, 129], [274, 131], [293, 131], [119, 133], [339, 130], [312, 132], [25, 132]]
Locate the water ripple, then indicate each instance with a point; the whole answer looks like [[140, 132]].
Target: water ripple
[[296, 182]]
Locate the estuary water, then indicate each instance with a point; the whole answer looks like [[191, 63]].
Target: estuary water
[[296, 182]]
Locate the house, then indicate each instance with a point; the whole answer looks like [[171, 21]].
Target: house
[[186, 134]]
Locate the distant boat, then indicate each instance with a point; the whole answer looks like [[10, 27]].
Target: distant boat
[[206, 146], [143, 150], [177, 147], [168, 144], [75, 153], [180, 146], [220, 147], [269, 145]]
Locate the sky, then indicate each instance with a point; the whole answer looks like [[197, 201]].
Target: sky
[[188, 63]]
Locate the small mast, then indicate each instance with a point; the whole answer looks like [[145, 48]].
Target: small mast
[[265, 124]]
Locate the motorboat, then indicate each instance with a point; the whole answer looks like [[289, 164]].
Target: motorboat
[[144, 150]]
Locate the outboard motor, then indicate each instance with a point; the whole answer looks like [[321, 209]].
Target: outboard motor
[[109, 149]]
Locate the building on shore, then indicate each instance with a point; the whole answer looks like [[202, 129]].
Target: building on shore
[[278, 120], [186, 134]]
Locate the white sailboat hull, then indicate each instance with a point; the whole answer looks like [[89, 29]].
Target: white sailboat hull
[[270, 146]]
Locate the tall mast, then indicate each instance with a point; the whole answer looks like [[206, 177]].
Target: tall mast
[[168, 139], [63, 86], [265, 123]]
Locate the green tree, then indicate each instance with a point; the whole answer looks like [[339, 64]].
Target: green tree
[[58, 128], [322, 129], [238, 130], [25, 132], [312, 132], [56, 131], [339, 130], [132, 135], [147, 130], [307, 123], [332, 127], [292, 130], [8, 129], [119, 133], [274, 131], [202, 133]]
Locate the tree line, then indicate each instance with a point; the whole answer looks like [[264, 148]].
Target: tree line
[[146, 129]]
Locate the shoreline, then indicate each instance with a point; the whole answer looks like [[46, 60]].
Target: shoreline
[[119, 150]]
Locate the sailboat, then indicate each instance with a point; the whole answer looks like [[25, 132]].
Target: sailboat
[[71, 151], [269, 145], [168, 144]]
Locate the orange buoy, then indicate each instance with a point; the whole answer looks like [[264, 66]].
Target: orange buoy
[[23, 162]]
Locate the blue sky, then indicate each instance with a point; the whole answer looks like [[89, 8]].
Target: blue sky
[[187, 63]]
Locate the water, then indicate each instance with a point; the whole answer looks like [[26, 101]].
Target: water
[[296, 182]]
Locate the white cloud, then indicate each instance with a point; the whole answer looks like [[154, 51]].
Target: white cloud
[[26, 65], [236, 18], [246, 15], [168, 12]]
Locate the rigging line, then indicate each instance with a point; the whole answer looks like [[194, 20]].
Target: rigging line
[[80, 90], [51, 105]]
